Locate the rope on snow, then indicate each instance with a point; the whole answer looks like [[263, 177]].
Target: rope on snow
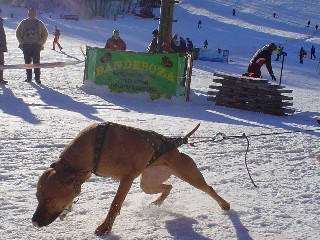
[[225, 137]]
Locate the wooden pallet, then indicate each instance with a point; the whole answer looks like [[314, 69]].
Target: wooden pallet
[[253, 94]]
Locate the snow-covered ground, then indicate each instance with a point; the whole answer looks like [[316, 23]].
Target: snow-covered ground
[[37, 121]]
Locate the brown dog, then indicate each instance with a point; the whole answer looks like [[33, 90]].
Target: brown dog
[[120, 152]]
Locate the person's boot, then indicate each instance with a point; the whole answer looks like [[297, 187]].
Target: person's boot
[[37, 77]]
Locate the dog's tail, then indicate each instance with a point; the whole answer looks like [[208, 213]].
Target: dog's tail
[[192, 131]]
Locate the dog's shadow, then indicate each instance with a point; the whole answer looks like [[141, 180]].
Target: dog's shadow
[[181, 228], [241, 231]]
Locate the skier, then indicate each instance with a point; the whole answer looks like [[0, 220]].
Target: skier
[[199, 24], [312, 53], [281, 52], [233, 12], [302, 53], [205, 44], [56, 34], [3, 47], [262, 56], [308, 24], [152, 48], [278, 50], [189, 45]]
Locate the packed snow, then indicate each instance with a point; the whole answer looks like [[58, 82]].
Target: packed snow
[[37, 121]]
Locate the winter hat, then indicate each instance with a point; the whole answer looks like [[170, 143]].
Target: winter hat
[[115, 31], [155, 32]]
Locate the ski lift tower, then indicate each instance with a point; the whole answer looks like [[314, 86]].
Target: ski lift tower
[[165, 22]]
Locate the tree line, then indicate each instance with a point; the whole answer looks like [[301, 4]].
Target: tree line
[[89, 8]]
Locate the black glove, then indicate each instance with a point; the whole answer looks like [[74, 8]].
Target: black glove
[[273, 77]]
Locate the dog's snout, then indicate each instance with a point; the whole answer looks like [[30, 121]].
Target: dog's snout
[[35, 224], [35, 221]]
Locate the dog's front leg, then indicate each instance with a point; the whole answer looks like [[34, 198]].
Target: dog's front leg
[[124, 187]]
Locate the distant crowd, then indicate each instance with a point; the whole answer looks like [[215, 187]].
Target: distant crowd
[[32, 34]]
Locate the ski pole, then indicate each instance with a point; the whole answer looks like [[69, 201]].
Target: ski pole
[[284, 54]]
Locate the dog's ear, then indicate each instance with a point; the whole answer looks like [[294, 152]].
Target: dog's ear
[[53, 165], [57, 166], [62, 166]]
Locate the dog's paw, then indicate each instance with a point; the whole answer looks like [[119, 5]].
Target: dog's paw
[[102, 230], [157, 202], [224, 205]]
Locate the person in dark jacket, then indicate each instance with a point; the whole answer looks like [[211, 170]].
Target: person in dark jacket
[[115, 42], [175, 44], [205, 44], [183, 45], [189, 45], [302, 54], [261, 57], [3, 46], [312, 52], [199, 24], [152, 48]]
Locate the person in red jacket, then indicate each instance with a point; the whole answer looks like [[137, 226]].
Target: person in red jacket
[[56, 34], [302, 54], [115, 42]]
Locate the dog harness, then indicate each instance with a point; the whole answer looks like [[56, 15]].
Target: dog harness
[[148, 136]]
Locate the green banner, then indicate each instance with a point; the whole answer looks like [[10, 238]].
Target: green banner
[[160, 75]]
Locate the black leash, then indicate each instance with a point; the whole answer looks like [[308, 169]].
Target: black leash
[[225, 137]]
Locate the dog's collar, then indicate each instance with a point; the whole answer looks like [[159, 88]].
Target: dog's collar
[[101, 132], [77, 187], [77, 182]]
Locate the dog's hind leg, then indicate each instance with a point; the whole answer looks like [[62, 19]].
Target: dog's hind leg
[[123, 189], [185, 168], [151, 182]]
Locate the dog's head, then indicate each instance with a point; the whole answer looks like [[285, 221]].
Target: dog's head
[[56, 190]]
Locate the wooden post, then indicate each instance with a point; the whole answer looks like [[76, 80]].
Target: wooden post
[[165, 22]]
